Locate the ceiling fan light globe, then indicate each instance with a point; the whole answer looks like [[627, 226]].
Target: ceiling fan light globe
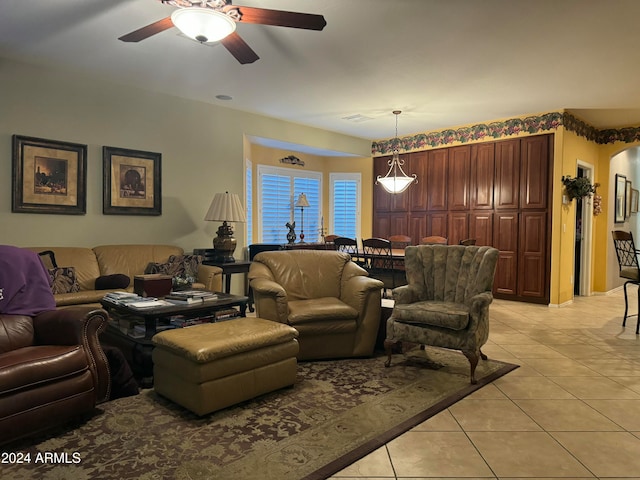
[[204, 25]]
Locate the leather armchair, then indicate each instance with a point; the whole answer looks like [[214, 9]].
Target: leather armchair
[[329, 299], [52, 369], [446, 302]]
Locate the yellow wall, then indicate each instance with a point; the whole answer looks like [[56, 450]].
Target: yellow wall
[[260, 155]]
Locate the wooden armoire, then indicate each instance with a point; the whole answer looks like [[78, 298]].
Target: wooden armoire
[[496, 192]]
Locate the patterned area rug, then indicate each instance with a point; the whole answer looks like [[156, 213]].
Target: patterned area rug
[[337, 412]]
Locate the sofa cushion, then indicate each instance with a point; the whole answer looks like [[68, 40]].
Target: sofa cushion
[[82, 259], [130, 260], [183, 268], [63, 280], [320, 309], [117, 280], [16, 331], [454, 316]]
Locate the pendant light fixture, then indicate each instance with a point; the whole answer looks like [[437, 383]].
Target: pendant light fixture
[[396, 181]]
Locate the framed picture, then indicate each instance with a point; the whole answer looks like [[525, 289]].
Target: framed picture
[[621, 200], [48, 176], [627, 197], [131, 182], [634, 200]]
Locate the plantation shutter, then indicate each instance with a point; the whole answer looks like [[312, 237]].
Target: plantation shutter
[[275, 203], [345, 213], [311, 188]]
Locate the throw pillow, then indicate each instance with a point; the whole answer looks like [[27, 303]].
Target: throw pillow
[[108, 282], [183, 268], [63, 280]]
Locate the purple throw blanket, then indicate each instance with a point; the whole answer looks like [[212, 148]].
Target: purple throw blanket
[[24, 283]]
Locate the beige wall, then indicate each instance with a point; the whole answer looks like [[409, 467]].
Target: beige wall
[[203, 149]]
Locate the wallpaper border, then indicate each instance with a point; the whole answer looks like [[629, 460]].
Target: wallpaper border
[[531, 125]]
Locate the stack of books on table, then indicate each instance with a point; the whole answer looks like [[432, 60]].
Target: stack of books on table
[[188, 297], [133, 300]]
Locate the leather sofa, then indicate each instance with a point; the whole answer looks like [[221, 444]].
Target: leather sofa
[[329, 299], [130, 260], [52, 369]]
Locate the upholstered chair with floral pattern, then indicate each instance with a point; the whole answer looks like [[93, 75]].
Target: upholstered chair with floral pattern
[[446, 301]]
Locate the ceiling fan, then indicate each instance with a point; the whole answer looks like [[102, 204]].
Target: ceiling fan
[[193, 15]]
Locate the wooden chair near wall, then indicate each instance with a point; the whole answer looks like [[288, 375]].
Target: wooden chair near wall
[[329, 242], [400, 241], [629, 269], [434, 240], [468, 242], [378, 261]]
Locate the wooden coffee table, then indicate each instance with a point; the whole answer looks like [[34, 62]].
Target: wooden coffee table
[[137, 348]]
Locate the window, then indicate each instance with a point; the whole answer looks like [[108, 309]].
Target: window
[[249, 201], [345, 204], [278, 190]]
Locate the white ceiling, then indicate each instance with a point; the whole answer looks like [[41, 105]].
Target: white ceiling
[[442, 62]]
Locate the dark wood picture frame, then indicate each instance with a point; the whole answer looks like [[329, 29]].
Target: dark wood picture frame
[[132, 184], [48, 176], [620, 204]]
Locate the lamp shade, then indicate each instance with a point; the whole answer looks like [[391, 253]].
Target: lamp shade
[[203, 24], [302, 201], [225, 207]]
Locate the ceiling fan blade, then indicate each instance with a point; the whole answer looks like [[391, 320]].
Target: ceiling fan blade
[[239, 48], [148, 31], [280, 18]]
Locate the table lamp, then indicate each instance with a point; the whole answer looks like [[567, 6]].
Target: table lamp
[[301, 203], [225, 207]]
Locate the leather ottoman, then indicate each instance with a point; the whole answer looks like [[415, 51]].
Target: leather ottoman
[[212, 366]]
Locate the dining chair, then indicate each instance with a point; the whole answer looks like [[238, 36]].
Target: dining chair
[[434, 240], [400, 241], [468, 242], [350, 246], [628, 267], [378, 261]]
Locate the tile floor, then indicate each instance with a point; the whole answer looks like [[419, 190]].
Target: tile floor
[[572, 409]]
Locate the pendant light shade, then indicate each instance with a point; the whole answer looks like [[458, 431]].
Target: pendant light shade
[[204, 25], [396, 180]]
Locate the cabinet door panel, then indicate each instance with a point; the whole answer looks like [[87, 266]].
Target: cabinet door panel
[[507, 186], [532, 256], [418, 192], [381, 225], [458, 227], [437, 179], [481, 228], [534, 172], [458, 175], [505, 239], [417, 228], [381, 198], [437, 224], [398, 224], [482, 176]]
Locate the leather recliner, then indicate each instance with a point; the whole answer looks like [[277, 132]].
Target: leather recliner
[[52, 369], [329, 299]]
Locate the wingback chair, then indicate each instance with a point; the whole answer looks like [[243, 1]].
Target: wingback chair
[[324, 295], [446, 301]]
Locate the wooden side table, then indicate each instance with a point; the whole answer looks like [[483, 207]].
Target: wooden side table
[[229, 269]]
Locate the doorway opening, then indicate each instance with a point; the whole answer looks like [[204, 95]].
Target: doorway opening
[[583, 226]]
